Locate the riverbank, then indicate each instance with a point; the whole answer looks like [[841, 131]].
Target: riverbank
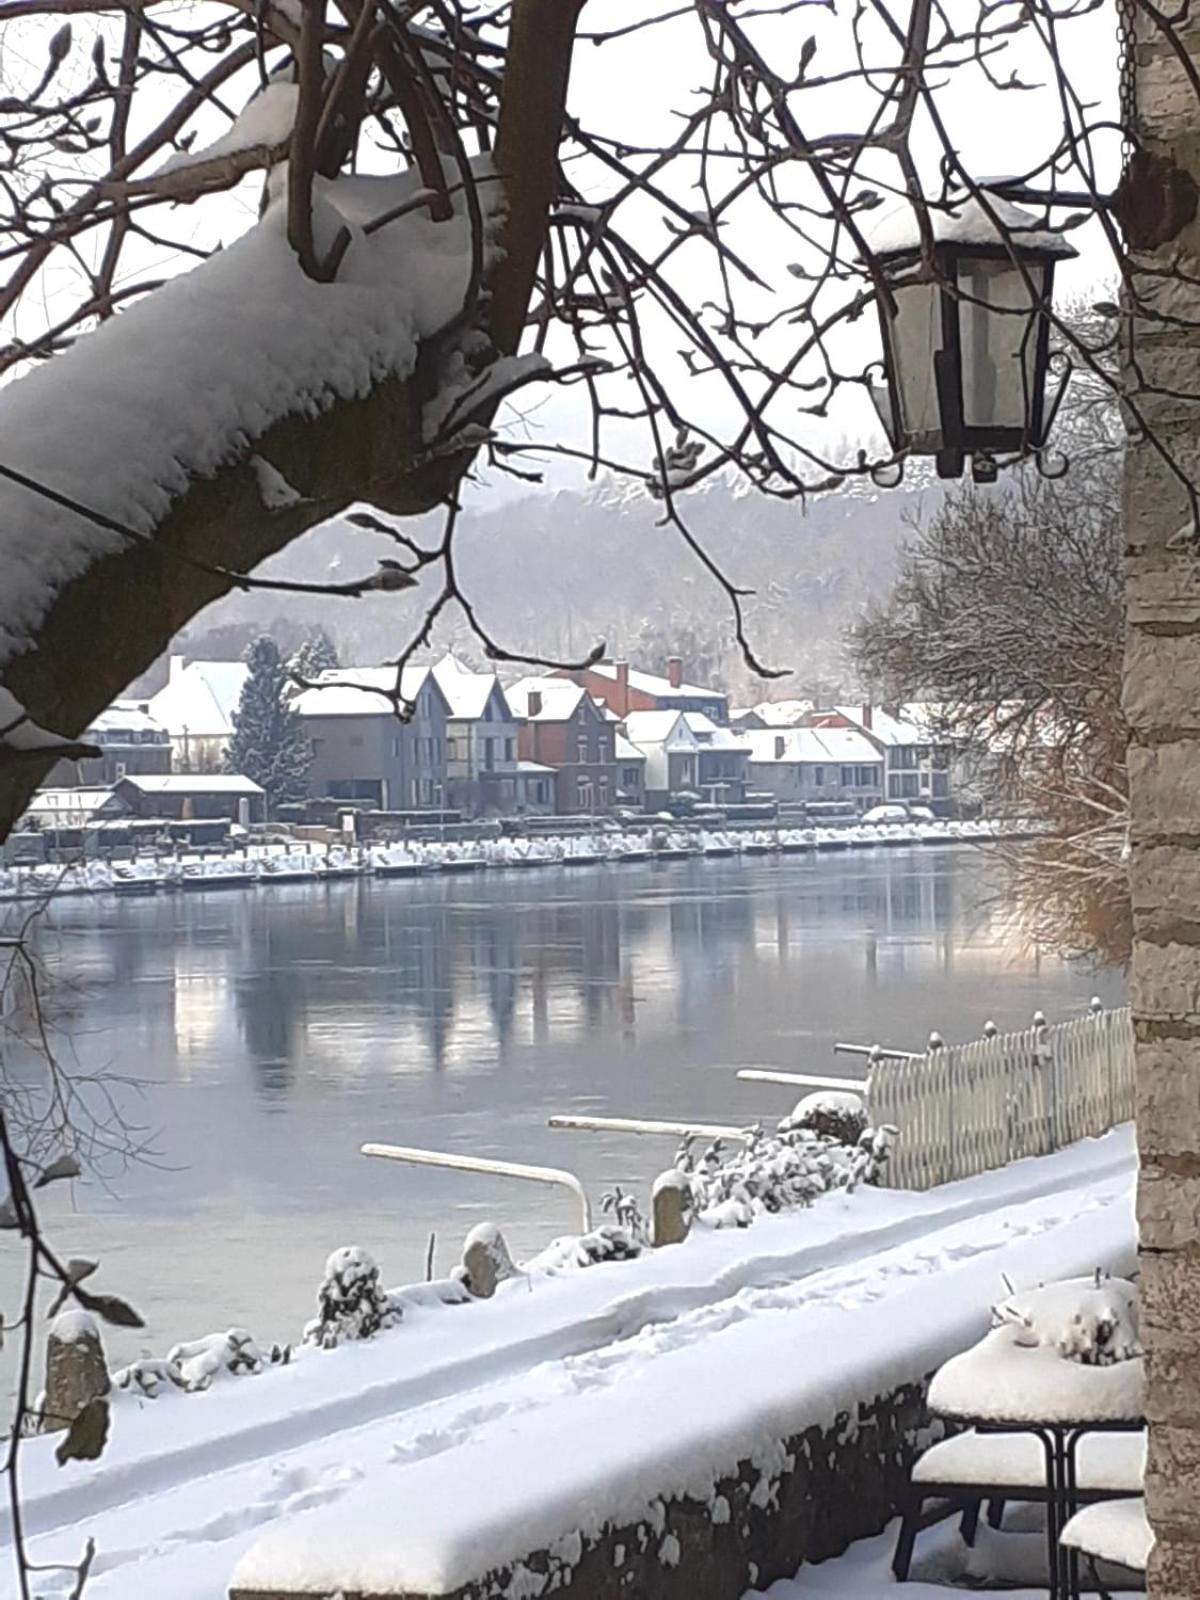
[[271, 866]]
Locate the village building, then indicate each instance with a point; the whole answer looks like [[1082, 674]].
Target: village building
[[563, 728], [917, 766], [197, 707], [128, 738], [483, 767], [363, 752], [722, 760], [671, 750], [809, 765], [624, 689], [186, 797]]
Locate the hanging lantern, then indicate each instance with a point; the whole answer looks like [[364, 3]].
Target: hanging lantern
[[966, 355]]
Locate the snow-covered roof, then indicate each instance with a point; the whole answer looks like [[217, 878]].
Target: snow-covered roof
[[467, 692], [626, 750], [192, 783], [907, 724], [666, 728], [85, 801], [653, 683], [560, 698], [776, 713], [359, 691], [200, 699], [712, 736], [815, 746], [897, 231], [125, 716], [534, 769]]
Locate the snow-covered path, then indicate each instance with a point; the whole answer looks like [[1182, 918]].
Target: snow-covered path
[[479, 1394]]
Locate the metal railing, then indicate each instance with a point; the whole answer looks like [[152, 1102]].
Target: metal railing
[[968, 1108]]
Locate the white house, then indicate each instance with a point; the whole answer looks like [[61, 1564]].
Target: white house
[[815, 764], [671, 750], [722, 761], [196, 707]]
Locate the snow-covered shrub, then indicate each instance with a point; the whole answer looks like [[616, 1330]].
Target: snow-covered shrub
[[575, 1250], [351, 1303], [777, 1171], [148, 1377], [626, 1213], [199, 1361], [837, 1113]]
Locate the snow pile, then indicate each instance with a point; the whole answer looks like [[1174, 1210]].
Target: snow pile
[[194, 1365], [264, 124], [351, 1304], [573, 1251], [1091, 1320], [837, 1113], [1116, 1531], [180, 384]]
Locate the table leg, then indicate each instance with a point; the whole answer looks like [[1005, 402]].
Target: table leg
[[1053, 1525]]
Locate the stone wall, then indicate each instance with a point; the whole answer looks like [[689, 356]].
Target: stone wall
[[1162, 702], [806, 1499]]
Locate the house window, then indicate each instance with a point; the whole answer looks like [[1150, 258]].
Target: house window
[[629, 777], [847, 777], [356, 741], [904, 755], [903, 786], [397, 744], [489, 755], [584, 791], [451, 749], [941, 785], [819, 777], [510, 749], [581, 749], [868, 777], [602, 790]]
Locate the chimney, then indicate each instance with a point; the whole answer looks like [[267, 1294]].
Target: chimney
[[866, 717], [175, 667], [675, 671], [621, 697], [780, 746], [535, 702]]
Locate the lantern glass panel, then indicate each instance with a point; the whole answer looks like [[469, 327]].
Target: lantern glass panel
[[998, 328], [915, 334]]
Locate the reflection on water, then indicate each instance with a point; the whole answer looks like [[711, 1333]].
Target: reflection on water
[[283, 1028]]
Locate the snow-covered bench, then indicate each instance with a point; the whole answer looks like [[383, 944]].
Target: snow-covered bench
[[964, 1472], [1116, 1532]]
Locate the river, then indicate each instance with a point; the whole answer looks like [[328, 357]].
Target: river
[[273, 1032]]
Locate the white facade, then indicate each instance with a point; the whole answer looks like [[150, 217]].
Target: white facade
[[197, 707], [482, 763], [671, 750]]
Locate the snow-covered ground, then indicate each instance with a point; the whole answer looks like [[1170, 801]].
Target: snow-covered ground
[[417, 857], [460, 1429]]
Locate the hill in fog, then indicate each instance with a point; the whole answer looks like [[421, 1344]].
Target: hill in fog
[[556, 571]]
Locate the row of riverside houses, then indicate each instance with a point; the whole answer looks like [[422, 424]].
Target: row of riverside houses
[[571, 742]]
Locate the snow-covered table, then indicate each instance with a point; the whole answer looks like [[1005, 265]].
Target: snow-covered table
[[1013, 1383]]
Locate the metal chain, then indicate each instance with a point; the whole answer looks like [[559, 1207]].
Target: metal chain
[[1126, 71]]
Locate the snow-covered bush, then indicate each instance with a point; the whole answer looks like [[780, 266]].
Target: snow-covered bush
[[626, 1212], [195, 1364], [837, 1113], [351, 1303], [777, 1171], [575, 1250]]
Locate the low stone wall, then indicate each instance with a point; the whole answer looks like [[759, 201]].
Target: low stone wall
[[811, 1496]]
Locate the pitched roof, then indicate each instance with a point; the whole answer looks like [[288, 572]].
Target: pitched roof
[[625, 750], [909, 724], [201, 699], [712, 736], [125, 716], [812, 746], [659, 727], [359, 691], [467, 692], [777, 713], [653, 683], [560, 698], [192, 783]]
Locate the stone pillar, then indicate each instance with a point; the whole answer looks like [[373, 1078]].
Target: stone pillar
[[76, 1371], [1162, 700], [672, 1199]]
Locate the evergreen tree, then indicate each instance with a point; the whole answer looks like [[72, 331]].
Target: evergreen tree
[[269, 743], [316, 655]]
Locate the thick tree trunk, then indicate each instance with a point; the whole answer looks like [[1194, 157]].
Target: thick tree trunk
[[1162, 696], [111, 622]]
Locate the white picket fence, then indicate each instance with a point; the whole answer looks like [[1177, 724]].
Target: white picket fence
[[964, 1109]]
